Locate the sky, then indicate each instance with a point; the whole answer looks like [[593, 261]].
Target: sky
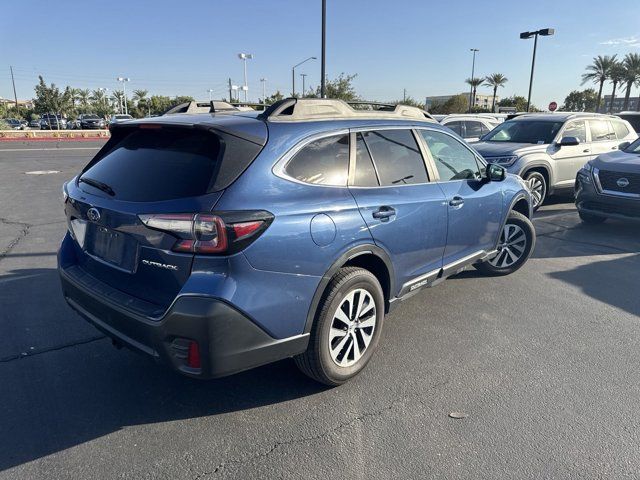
[[188, 47]]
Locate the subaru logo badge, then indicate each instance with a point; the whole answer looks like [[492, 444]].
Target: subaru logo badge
[[93, 214], [622, 182]]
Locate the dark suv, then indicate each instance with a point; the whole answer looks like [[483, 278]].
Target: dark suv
[[219, 242]]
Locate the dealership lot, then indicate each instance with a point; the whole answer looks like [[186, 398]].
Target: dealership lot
[[543, 365]]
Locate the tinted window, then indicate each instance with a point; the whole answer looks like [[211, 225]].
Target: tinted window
[[576, 129], [474, 129], [396, 156], [600, 130], [455, 126], [365, 175], [322, 162], [453, 160], [525, 131], [620, 129], [153, 165]]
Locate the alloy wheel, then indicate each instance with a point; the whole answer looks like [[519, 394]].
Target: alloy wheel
[[538, 190], [352, 327], [513, 243]]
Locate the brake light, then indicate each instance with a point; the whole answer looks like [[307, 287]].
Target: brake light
[[208, 233]]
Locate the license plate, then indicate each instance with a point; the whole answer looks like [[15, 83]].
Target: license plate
[[111, 246]]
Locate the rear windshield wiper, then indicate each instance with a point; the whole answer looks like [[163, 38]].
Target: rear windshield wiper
[[98, 184]]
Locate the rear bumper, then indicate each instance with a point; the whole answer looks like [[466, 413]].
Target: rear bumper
[[229, 342], [590, 201]]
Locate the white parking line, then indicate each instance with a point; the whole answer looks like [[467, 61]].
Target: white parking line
[[44, 149]]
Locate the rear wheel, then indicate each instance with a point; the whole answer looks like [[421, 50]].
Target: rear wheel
[[517, 240], [346, 329], [538, 187], [591, 219]]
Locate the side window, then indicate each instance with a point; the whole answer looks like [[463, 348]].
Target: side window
[[396, 156], [484, 129], [322, 162], [620, 129], [576, 129], [453, 160], [455, 126], [474, 129], [365, 175], [599, 130]]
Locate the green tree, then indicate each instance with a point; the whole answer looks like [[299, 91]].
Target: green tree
[[495, 80], [455, 104], [274, 98], [598, 72], [616, 75], [49, 99], [631, 65], [580, 101], [84, 97], [517, 101], [341, 88], [474, 83], [412, 102], [100, 103]]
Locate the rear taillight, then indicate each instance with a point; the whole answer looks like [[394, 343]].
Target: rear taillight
[[208, 233]]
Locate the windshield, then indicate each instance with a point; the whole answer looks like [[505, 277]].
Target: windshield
[[91, 117], [524, 131], [634, 147]]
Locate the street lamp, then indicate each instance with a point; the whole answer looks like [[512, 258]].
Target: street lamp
[[293, 75], [244, 57], [124, 90], [303, 75], [264, 91], [545, 32], [473, 71]]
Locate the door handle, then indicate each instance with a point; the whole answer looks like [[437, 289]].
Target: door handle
[[586, 150], [456, 202], [384, 213]]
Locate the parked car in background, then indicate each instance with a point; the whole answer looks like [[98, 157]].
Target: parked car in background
[[633, 118], [90, 121], [35, 123], [50, 121], [609, 186], [13, 123], [470, 127], [547, 150], [119, 118], [219, 242]]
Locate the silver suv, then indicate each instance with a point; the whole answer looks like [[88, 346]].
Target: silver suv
[[547, 150]]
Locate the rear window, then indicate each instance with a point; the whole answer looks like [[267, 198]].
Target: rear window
[[620, 129], [153, 165]]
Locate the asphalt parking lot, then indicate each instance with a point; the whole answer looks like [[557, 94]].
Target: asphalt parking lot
[[544, 365]]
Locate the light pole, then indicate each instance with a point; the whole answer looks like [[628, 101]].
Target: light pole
[[235, 88], [324, 48], [210, 94], [244, 57], [293, 75], [264, 91], [545, 32], [124, 81], [473, 71], [303, 75]]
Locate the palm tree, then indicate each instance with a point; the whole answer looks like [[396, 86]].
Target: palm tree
[[140, 95], [495, 80], [631, 65], [616, 75], [474, 83], [75, 94], [118, 98], [598, 72], [83, 96]]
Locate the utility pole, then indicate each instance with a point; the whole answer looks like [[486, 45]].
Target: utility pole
[[473, 71], [264, 91], [210, 95], [230, 92], [15, 96], [244, 57], [404, 94], [324, 44]]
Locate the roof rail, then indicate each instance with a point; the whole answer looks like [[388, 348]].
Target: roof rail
[[310, 109], [213, 106]]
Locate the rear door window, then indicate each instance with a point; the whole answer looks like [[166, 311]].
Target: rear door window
[[322, 162], [147, 165], [600, 130], [455, 126], [365, 175], [474, 129], [620, 129], [396, 156]]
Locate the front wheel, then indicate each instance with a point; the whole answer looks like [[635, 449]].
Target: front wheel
[[517, 241], [538, 187], [346, 329]]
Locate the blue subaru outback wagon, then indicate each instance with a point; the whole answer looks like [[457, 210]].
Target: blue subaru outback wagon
[[218, 242]]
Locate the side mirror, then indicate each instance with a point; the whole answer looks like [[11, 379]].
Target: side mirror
[[623, 145], [496, 173], [568, 142]]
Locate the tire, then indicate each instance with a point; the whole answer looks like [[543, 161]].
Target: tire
[[591, 219], [539, 188], [323, 360], [513, 253]]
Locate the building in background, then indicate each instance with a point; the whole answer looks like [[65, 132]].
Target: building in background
[[10, 103], [481, 101], [618, 104]]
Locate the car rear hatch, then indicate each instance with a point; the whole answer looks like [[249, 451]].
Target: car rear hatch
[[150, 168]]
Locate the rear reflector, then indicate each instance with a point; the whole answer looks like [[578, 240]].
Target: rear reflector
[[193, 357]]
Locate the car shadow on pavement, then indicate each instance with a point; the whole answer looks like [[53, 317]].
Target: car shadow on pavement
[[70, 391]]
